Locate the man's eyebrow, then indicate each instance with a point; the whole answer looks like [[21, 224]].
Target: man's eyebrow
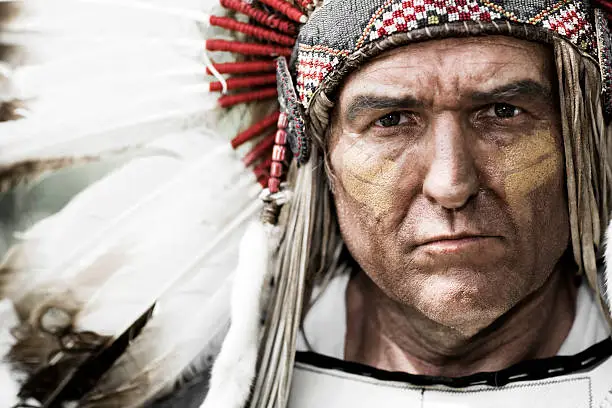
[[376, 102], [513, 90]]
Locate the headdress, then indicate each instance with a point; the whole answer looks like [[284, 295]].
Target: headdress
[[107, 301]]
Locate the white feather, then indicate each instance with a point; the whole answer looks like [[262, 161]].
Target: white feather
[[9, 384], [9, 387], [86, 98], [154, 210], [146, 242], [170, 342], [186, 322], [102, 76]]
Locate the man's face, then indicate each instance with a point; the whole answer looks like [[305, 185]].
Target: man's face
[[449, 176]]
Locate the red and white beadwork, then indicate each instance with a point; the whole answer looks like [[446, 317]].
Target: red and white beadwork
[[400, 16], [279, 153], [571, 23], [409, 15], [314, 63]]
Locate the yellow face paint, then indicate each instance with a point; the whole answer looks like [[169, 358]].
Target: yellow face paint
[[369, 180], [526, 165], [530, 164]]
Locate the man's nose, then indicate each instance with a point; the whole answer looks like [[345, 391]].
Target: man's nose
[[451, 178]]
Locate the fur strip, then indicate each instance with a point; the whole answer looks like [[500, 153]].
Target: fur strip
[[234, 369]]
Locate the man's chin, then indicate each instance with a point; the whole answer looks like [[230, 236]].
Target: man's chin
[[467, 308]]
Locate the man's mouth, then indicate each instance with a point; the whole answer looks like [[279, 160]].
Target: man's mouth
[[456, 243]]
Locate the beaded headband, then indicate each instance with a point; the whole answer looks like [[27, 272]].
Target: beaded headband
[[325, 42]]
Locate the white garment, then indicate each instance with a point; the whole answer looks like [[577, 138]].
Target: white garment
[[325, 323], [316, 386], [589, 326], [324, 326]]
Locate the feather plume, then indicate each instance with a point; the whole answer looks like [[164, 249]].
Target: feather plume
[[103, 76], [105, 252], [167, 345], [120, 82], [164, 236]]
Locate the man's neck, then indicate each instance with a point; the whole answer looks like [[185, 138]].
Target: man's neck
[[390, 336]]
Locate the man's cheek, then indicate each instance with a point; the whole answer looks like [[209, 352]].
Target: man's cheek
[[370, 180], [529, 165]]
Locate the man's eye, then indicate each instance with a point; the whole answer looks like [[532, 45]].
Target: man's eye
[[503, 111], [391, 119]]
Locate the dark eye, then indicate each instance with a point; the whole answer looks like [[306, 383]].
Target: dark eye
[[391, 119], [503, 111]]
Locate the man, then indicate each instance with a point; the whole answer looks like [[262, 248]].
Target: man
[[437, 240], [451, 136]]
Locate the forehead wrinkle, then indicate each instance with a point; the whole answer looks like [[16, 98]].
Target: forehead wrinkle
[[446, 63], [480, 79], [410, 89], [450, 93], [421, 64], [521, 88]]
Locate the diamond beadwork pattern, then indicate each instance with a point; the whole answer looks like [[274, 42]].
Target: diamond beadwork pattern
[[314, 63], [409, 15], [571, 23], [567, 18]]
